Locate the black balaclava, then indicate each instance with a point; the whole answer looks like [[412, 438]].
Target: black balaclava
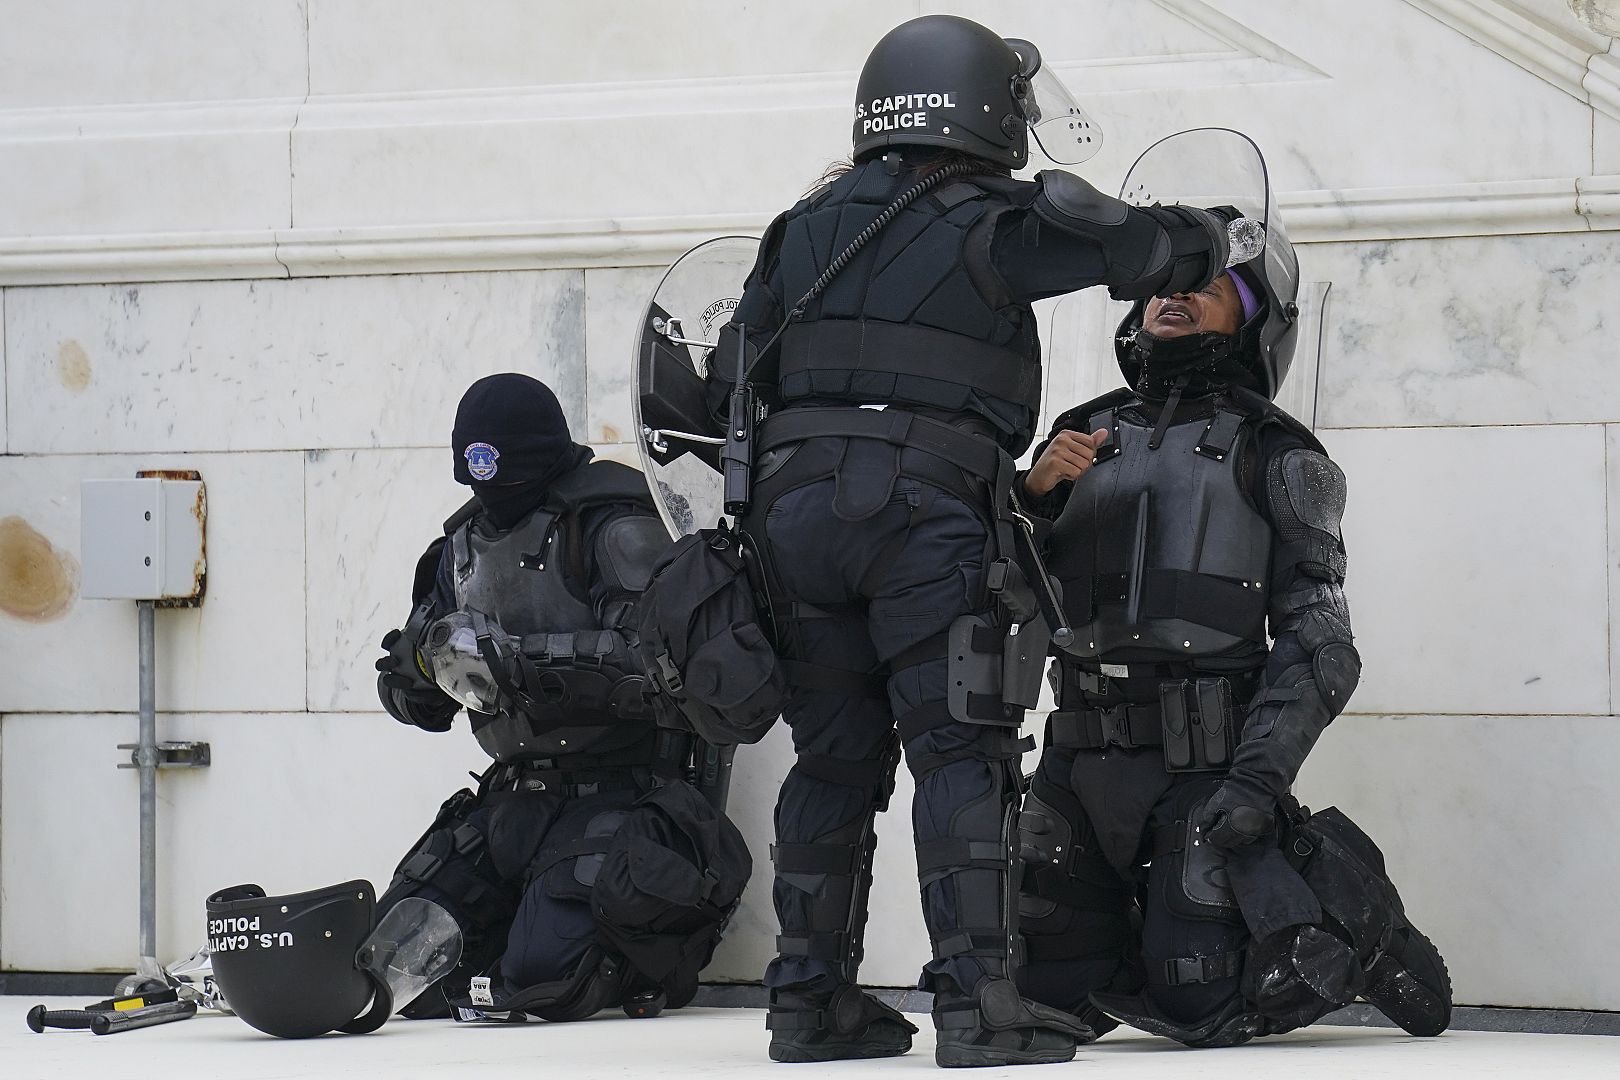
[[511, 441]]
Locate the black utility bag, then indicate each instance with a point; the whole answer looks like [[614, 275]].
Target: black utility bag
[[702, 641], [669, 881]]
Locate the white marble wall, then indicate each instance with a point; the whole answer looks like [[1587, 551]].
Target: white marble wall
[[1453, 168]]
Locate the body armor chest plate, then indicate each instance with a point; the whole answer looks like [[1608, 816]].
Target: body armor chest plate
[[588, 698], [1161, 552], [520, 577]]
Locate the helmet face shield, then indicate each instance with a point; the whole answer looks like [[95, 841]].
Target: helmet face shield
[[414, 946], [1065, 132]]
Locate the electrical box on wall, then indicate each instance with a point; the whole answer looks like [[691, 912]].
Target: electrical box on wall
[[143, 539]]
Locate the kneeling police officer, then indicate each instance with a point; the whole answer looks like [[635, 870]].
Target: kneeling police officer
[[521, 616], [1173, 881]]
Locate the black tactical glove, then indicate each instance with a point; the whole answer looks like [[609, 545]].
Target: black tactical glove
[[1198, 251], [404, 668], [1238, 814]]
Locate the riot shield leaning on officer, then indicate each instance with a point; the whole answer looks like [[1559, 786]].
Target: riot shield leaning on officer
[[523, 613], [1173, 883], [885, 536]]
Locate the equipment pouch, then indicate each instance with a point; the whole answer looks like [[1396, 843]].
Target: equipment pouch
[[1197, 722], [702, 641]]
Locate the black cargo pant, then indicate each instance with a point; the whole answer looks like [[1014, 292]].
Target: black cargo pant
[[1106, 904], [476, 862], [855, 595]]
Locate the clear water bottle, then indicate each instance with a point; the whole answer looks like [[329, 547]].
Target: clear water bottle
[[1246, 239]]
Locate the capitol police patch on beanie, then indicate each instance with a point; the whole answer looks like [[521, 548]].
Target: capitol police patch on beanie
[[481, 460]]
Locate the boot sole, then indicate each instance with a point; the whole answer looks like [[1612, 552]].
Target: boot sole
[[791, 1054], [984, 1057]]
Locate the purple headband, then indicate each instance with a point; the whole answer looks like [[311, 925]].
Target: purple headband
[[1251, 303]]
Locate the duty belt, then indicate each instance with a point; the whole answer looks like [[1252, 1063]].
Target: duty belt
[[571, 781], [974, 454], [1124, 726]]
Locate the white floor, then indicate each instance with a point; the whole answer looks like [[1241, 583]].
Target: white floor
[[731, 1042]]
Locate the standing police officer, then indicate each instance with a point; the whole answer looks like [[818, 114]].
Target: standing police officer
[[886, 535], [521, 614], [1190, 510]]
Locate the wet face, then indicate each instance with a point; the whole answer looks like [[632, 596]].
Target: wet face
[[1215, 309]]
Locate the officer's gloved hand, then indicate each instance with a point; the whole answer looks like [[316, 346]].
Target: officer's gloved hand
[[1198, 249], [1238, 814], [404, 667]]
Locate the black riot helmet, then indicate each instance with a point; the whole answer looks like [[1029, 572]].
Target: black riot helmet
[[287, 964], [1221, 167], [304, 964], [945, 81], [1257, 357]]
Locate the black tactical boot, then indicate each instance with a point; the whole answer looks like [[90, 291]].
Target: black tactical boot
[[831, 1027], [1410, 985], [998, 1027]]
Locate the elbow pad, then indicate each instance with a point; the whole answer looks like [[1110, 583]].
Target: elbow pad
[[627, 548], [1307, 494], [1151, 250]]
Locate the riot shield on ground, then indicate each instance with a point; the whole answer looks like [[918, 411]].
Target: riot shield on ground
[[679, 447]]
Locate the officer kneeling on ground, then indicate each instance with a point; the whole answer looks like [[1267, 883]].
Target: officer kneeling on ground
[[1173, 882], [521, 615]]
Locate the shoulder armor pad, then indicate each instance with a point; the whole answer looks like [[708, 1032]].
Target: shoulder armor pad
[[626, 549], [600, 482], [427, 569], [1070, 203], [461, 517], [1266, 411], [1076, 418], [1312, 487]]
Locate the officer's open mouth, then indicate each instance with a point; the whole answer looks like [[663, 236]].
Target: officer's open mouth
[[1173, 314]]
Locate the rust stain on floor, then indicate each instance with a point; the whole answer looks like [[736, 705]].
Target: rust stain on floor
[[38, 581], [73, 366]]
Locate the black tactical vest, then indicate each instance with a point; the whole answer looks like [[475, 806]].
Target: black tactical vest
[[1161, 552], [531, 578], [919, 316]]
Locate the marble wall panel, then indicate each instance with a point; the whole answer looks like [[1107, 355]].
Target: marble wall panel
[[360, 46], [1605, 145], [5, 428], [242, 649], [614, 301], [91, 52], [1491, 827], [363, 540], [404, 169], [292, 801], [182, 180], [341, 362], [1613, 433], [1498, 330], [1477, 568]]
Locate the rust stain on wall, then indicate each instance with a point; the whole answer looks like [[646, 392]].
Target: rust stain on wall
[[38, 582], [73, 366]]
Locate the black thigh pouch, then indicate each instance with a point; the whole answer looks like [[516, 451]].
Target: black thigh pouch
[[1198, 724]]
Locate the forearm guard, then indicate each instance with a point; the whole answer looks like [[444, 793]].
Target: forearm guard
[[1313, 668], [1151, 250]]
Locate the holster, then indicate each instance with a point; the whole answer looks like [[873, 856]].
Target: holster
[[1198, 724]]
